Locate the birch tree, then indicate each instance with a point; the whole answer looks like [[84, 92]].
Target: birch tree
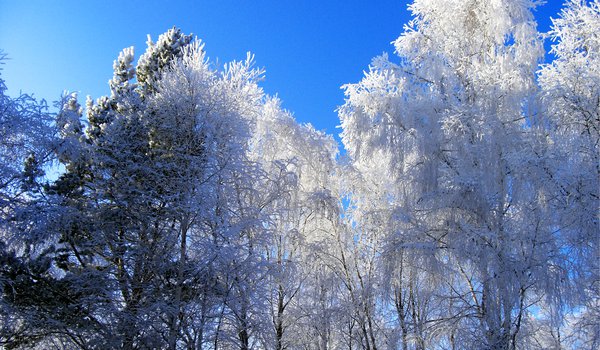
[[571, 94], [447, 132]]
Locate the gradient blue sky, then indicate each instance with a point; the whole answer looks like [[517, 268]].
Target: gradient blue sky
[[308, 48]]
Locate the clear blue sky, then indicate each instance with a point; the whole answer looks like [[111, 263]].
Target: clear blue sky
[[309, 48]]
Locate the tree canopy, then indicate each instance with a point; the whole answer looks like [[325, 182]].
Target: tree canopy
[[189, 210]]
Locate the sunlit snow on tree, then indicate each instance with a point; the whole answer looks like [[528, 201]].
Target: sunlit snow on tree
[[189, 210]]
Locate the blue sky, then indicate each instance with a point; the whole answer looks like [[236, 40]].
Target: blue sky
[[308, 48]]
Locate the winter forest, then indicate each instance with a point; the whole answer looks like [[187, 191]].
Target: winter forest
[[189, 210]]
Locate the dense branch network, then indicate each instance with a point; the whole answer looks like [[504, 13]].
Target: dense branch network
[[189, 210]]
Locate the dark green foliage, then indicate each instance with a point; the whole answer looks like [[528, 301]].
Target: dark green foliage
[[158, 56], [47, 302]]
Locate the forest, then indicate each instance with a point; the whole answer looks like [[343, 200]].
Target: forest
[[189, 210]]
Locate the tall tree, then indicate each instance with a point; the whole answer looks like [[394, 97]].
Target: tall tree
[[298, 164], [160, 167], [27, 143], [446, 138], [571, 95]]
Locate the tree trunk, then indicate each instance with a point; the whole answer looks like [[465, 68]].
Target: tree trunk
[[178, 310]]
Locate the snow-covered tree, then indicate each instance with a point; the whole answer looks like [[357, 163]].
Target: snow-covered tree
[[298, 164], [571, 95], [27, 140], [445, 142], [160, 168]]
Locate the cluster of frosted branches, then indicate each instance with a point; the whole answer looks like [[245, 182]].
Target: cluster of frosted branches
[[191, 211]]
